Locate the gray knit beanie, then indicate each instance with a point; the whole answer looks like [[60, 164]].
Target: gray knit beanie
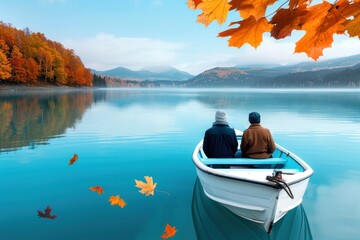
[[221, 116]]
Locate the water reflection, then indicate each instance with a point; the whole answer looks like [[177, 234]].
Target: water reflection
[[30, 119], [212, 221]]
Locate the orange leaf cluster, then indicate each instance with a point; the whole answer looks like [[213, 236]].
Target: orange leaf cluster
[[117, 200], [146, 188], [169, 231], [319, 21], [97, 189], [73, 159]]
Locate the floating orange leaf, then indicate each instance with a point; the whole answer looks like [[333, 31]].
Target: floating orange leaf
[[250, 31], [169, 231], [46, 213], [97, 189], [117, 200], [73, 159], [146, 188]]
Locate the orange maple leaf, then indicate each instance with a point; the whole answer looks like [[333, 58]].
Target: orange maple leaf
[[213, 10], [73, 159], [323, 21], [296, 3], [193, 3], [287, 20], [353, 25], [146, 188], [247, 8], [97, 189], [117, 200], [250, 31], [169, 231]]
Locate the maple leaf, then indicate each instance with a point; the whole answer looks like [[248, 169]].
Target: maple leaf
[[97, 189], [327, 20], [146, 188], [73, 159], [353, 25], [296, 3], [117, 200], [213, 10], [247, 8], [287, 20], [193, 3], [250, 31], [169, 231], [46, 213]]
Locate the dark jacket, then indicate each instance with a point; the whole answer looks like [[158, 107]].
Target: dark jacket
[[220, 141], [257, 142]]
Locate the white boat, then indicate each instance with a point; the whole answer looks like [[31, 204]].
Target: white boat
[[249, 188]]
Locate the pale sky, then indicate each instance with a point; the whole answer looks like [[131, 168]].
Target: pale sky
[[138, 34]]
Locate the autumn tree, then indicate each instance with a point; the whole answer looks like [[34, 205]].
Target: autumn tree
[[31, 58], [5, 67], [19, 74], [320, 21]]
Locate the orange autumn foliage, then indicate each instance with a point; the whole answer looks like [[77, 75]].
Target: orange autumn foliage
[[320, 21], [117, 200], [97, 189], [169, 231], [31, 58], [73, 159], [146, 188]]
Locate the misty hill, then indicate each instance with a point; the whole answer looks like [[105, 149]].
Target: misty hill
[[156, 73], [340, 72]]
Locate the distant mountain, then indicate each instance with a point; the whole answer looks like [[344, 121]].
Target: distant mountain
[[325, 64], [225, 77], [340, 72], [167, 73]]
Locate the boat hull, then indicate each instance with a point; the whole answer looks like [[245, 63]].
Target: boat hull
[[259, 202]]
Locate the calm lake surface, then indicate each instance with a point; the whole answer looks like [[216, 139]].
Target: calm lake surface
[[125, 134]]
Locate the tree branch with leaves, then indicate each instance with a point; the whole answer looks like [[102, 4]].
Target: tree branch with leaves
[[319, 21]]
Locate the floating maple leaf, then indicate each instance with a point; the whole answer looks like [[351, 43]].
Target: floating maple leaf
[[169, 231], [73, 159], [46, 213], [146, 188], [117, 200], [97, 189]]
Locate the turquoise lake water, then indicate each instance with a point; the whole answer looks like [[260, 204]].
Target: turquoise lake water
[[125, 134]]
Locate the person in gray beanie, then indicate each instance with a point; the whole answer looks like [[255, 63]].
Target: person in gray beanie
[[257, 141], [220, 140]]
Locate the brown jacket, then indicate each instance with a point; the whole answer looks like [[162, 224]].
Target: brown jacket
[[257, 142]]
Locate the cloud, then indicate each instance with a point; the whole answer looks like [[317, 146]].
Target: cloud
[[106, 51]]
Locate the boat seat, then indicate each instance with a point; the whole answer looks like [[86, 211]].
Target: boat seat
[[242, 161]]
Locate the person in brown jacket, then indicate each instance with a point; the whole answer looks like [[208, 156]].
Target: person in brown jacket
[[257, 141]]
